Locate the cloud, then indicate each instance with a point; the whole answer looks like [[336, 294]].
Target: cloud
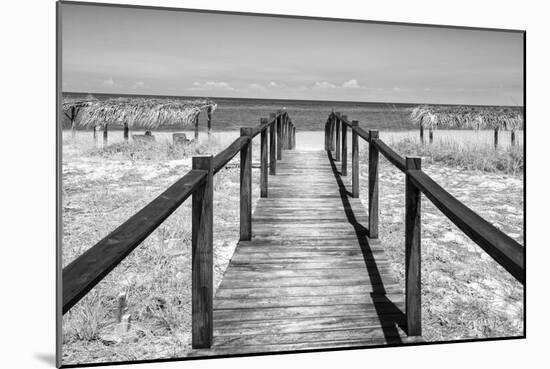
[[138, 84], [109, 82], [212, 85], [324, 85], [256, 86], [352, 83], [274, 84]]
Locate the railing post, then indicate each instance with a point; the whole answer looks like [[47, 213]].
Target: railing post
[[279, 137], [412, 251], [209, 117], [202, 257], [289, 135], [293, 137], [344, 149], [197, 127], [263, 159], [337, 153], [326, 135], [373, 185], [354, 160], [285, 133], [272, 146], [246, 187]]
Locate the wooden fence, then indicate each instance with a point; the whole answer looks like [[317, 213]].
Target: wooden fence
[[503, 249], [82, 274]]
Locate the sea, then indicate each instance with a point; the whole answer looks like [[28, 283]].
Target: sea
[[307, 115]]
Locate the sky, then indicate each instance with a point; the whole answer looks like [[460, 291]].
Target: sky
[[159, 52]]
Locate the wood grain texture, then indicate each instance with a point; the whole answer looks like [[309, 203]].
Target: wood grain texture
[[202, 263], [272, 146], [355, 160], [263, 160], [373, 186], [412, 251], [246, 187], [308, 277]]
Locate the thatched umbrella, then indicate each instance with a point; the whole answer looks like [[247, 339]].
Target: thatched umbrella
[[496, 118], [149, 113]]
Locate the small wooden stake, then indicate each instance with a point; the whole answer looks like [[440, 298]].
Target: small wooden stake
[[209, 123]]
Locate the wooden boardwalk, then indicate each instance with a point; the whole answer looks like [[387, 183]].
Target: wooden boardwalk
[[309, 278]]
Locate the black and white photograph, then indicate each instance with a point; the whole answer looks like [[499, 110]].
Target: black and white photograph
[[234, 184]]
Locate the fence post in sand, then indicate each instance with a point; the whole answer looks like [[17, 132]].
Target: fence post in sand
[[197, 127], [272, 145], [354, 160], [126, 131], [412, 250], [105, 129], [202, 288], [246, 187], [496, 138], [373, 185], [263, 159]]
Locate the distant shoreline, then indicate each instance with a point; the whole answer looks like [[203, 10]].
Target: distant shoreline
[[342, 102]]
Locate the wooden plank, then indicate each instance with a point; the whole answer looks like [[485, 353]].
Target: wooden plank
[[202, 266], [222, 158], [412, 251], [83, 273]]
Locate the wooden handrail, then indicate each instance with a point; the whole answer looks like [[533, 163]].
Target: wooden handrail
[[83, 273], [503, 249]]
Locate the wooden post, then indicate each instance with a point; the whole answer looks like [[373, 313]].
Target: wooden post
[[263, 160], [246, 187], [121, 306], [126, 131], [73, 122], [326, 136], [94, 128], [373, 185], [337, 150], [209, 115], [105, 128], [344, 149], [279, 137], [289, 135], [513, 137], [293, 137], [202, 256], [285, 130], [197, 127], [412, 251], [496, 138], [421, 133], [354, 161], [272, 146], [431, 134]]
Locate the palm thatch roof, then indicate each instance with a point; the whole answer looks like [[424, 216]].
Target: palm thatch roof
[[143, 112], [431, 116]]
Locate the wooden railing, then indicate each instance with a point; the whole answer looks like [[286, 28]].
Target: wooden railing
[[82, 274], [503, 249]]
